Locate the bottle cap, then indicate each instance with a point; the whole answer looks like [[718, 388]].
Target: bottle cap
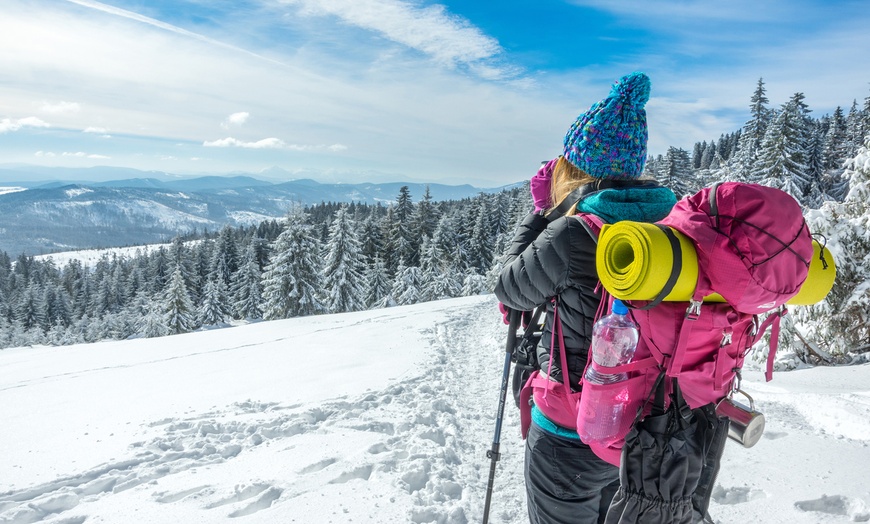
[[619, 308]]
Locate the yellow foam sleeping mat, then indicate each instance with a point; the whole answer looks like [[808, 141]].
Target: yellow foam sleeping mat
[[634, 260]]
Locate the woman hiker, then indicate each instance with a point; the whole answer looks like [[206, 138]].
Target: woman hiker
[[552, 261]]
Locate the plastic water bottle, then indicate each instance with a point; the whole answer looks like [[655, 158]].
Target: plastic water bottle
[[602, 409]]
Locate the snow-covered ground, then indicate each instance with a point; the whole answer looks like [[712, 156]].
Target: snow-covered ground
[[381, 417]]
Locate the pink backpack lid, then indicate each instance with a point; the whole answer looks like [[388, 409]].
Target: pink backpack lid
[[753, 243]]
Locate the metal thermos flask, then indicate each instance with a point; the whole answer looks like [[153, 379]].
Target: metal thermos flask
[[747, 424]]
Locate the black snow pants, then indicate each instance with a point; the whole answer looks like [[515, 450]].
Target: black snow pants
[[565, 481]]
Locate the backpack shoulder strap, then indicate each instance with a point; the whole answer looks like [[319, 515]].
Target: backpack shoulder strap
[[592, 224]]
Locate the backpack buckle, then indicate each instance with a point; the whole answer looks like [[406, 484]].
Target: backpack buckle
[[694, 310]]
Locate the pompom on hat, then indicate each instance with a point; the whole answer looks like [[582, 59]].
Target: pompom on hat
[[609, 140]]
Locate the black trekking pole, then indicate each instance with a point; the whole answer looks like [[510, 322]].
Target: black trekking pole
[[493, 453]]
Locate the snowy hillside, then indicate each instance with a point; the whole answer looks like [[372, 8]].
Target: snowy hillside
[[382, 416], [79, 215]]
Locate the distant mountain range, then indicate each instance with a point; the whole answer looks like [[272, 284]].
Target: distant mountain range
[[88, 208]]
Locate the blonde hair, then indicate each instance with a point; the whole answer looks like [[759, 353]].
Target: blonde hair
[[566, 178]]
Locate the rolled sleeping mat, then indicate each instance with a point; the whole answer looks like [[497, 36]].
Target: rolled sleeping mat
[[634, 261]]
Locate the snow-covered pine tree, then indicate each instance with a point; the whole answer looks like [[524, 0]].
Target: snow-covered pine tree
[[179, 315], [521, 205], [742, 163], [153, 322], [474, 284], [202, 255], [502, 222], [836, 144], [780, 163], [246, 293], [818, 192], [655, 167], [225, 256], [378, 284], [213, 310], [865, 118], [388, 226], [709, 152], [439, 281], [29, 309], [407, 288], [180, 257], [425, 217], [854, 136], [343, 266], [119, 325], [58, 309], [291, 281], [839, 326], [697, 153], [677, 173], [481, 241], [401, 237], [372, 239], [158, 270]]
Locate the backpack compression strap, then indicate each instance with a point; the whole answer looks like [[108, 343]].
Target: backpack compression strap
[[676, 268]]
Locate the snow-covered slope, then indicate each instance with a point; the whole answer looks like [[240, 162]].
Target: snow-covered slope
[[382, 416], [62, 216]]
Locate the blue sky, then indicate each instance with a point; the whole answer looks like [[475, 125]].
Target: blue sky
[[383, 90]]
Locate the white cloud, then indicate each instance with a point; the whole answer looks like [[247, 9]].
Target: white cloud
[[266, 143], [8, 125], [123, 13], [82, 154], [98, 130], [235, 119], [238, 118], [60, 107], [272, 143], [47, 154], [447, 38]]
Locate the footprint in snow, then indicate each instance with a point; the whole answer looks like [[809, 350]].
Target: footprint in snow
[[313, 468], [241, 494], [738, 495], [169, 498], [265, 501], [836, 505]]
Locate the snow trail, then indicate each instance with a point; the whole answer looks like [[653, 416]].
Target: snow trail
[[424, 438], [413, 450]]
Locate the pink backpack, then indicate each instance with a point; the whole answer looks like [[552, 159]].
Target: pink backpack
[[754, 249]]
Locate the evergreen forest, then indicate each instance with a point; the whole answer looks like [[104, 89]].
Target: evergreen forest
[[336, 257]]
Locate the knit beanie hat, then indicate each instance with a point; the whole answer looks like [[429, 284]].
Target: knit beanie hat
[[609, 140]]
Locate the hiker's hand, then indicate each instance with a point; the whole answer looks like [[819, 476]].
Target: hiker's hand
[[540, 186], [505, 313]]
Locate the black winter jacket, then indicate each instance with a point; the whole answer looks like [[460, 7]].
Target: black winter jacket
[[557, 259], [548, 260]]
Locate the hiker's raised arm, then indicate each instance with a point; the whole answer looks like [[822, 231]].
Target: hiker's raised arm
[[542, 261]]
